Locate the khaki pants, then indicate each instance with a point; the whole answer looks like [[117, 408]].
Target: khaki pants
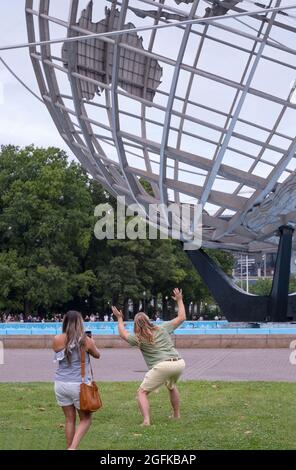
[[164, 373]]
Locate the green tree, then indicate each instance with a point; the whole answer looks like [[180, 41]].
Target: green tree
[[261, 287], [46, 215], [49, 256], [292, 285]]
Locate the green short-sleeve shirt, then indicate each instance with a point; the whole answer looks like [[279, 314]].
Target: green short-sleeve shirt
[[161, 349]]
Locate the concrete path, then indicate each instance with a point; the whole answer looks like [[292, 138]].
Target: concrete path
[[28, 365]]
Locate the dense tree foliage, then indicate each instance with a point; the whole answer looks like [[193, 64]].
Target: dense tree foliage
[[263, 286], [50, 259]]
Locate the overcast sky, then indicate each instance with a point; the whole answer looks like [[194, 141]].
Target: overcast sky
[[24, 120]]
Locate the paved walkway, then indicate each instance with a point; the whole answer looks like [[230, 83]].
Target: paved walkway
[[26, 365]]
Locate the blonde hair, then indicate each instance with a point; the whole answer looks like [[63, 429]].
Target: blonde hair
[[74, 330], [144, 328]]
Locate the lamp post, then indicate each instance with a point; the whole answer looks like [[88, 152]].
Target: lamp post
[[165, 308], [144, 301], [245, 264]]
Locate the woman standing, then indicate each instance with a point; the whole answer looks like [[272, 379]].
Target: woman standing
[[164, 362], [67, 347]]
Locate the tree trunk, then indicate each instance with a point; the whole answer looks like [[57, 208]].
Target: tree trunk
[[26, 307], [164, 308], [187, 309], [114, 299], [154, 307], [171, 309], [125, 310], [135, 307]]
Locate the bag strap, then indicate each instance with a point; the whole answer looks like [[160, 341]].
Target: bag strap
[[91, 370], [83, 356]]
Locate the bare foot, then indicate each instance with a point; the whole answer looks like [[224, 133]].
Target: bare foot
[[145, 423], [174, 417]]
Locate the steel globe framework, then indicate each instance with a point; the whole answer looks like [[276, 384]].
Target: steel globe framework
[[196, 98]]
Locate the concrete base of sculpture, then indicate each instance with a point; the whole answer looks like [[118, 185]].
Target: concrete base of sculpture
[[212, 341]]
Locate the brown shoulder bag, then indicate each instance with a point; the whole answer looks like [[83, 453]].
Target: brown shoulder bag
[[90, 399]]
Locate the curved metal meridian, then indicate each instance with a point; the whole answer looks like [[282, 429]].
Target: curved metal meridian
[[205, 113], [218, 160], [216, 128], [168, 114]]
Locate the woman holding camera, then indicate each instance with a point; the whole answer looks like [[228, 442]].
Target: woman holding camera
[[67, 347], [163, 360]]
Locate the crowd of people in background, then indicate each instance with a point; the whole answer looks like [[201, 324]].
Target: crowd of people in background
[[93, 317], [55, 317]]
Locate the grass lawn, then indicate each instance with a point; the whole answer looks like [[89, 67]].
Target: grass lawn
[[219, 415]]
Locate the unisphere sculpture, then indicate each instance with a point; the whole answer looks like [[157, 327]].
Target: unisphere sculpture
[[204, 112]]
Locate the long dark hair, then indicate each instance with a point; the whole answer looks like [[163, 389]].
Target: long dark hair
[[74, 330]]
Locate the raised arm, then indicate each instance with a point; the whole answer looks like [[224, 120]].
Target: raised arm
[[178, 297], [91, 348], [123, 333]]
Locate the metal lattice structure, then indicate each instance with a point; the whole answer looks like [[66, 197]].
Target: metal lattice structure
[[203, 111]]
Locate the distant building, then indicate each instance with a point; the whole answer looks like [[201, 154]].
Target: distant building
[[259, 265]]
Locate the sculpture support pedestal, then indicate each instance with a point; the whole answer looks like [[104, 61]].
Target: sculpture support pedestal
[[279, 296], [238, 305]]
